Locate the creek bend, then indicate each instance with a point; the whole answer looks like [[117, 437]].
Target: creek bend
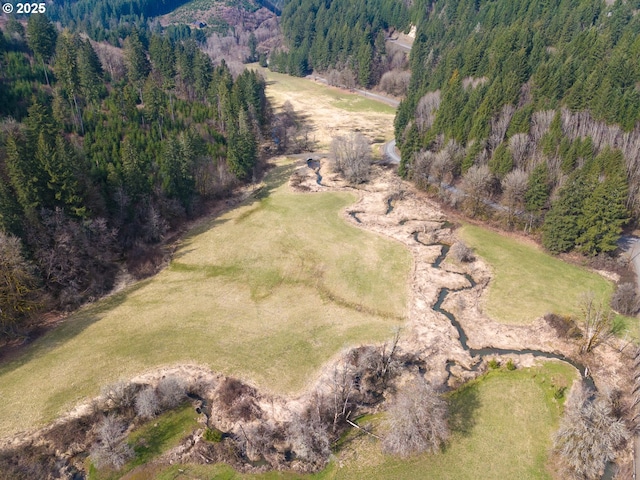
[[490, 351]]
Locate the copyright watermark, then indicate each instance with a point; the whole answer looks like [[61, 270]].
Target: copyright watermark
[[24, 8]]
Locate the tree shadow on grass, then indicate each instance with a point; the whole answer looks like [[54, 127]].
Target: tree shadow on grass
[[463, 406], [74, 325]]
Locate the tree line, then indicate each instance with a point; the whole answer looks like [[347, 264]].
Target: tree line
[[98, 164], [344, 35], [533, 105]]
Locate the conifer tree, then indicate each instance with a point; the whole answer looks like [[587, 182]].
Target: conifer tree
[[41, 37]]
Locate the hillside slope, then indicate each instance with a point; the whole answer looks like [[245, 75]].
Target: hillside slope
[[521, 98]]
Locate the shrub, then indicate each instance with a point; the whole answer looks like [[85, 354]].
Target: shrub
[[147, 403], [120, 395], [511, 365], [461, 252], [493, 364], [111, 450], [625, 299], [590, 436], [171, 392], [238, 399], [309, 440], [564, 325], [558, 392], [213, 435]]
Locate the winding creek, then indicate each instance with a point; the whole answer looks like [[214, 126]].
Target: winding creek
[[490, 351]]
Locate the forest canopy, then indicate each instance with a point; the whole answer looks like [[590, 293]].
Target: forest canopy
[[103, 151]]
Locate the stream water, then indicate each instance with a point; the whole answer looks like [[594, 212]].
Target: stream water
[[315, 166], [490, 351], [354, 215], [389, 206]]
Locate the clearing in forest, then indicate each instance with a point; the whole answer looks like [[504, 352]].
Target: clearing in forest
[[268, 291]]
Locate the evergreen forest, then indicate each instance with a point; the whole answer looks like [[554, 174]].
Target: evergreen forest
[[534, 105], [105, 151]]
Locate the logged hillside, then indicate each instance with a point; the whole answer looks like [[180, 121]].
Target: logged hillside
[[531, 104]]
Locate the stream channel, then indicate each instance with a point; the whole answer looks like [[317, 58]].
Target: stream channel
[[610, 470], [315, 166], [490, 351]]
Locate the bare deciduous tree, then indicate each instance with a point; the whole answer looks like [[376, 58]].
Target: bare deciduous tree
[[426, 110], [625, 299], [18, 285], [473, 82], [519, 146], [477, 184], [171, 391], [147, 403], [111, 450], [120, 395], [461, 252], [352, 157], [260, 440], [421, 167], [395, 82], [589, 436], [310, 440], [499, 126], [596, 322], [417, 421], [540, 123], [447, 162], [514, 188]]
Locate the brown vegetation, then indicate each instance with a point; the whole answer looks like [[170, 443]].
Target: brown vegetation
[[590, 435], [417, 420]]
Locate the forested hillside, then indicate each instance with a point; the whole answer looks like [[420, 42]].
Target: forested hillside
[[103, 151], [532, 104], [108, 19], [338, 34]]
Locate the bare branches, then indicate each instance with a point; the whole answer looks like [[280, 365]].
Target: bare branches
[[625, 299], [499, 126], [596, 322], [589, 436], [147, 403], [352, 157], [477, 184], [417, 421], [426, 110], [111, 449], [461, 252]]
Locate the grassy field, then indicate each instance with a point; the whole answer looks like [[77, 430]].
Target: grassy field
[[331, 111], [268, 291], [527, 282], [502, 429]]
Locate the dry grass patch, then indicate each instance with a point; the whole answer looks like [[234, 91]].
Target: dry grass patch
[[330, 111], [269, 292]]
